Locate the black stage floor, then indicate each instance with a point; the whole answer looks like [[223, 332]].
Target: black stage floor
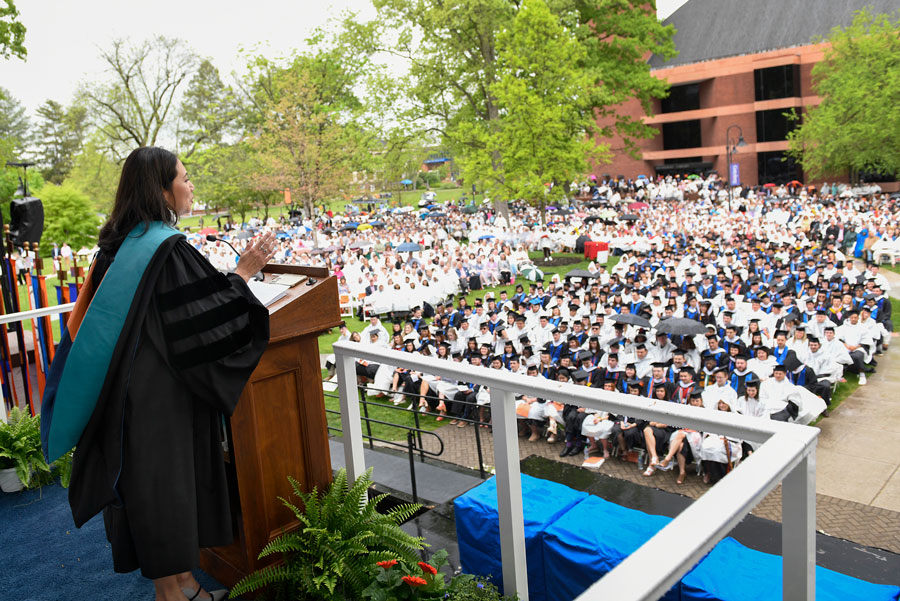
[[439, 483]]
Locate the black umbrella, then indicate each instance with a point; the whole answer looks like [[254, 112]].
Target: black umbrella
[[564, 212], [628, 217], [631, 318], [591, 219], [580, 273], [469, 209], [680, 326]]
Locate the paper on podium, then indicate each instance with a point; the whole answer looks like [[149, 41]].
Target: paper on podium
[[266, 293]]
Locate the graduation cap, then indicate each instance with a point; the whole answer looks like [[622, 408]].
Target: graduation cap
[[812, 338], [562, 371], [634, 384], [579, 375], [612, 356], [583, 355], [660, 364], [696, 394], [456, 354]]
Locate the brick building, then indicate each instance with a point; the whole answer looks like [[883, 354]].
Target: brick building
[[741, 65]]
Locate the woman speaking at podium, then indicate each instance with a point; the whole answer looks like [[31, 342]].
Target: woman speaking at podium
[[159, 346]]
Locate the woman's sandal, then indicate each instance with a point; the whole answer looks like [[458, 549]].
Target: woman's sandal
[[681, 478], [650, 470], [218, 595]]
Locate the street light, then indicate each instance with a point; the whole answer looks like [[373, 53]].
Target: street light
[[731, 146]]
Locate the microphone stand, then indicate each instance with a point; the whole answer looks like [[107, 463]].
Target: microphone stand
[[211, 238]]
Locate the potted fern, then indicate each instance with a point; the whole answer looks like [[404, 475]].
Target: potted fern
[[336, 549], [20, 451]]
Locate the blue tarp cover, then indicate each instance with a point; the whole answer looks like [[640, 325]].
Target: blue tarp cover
[[572, 539], [590, 540], [732, 572], [478, 528]]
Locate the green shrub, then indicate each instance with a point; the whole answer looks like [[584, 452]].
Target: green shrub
[[335, 551], [20, 447]]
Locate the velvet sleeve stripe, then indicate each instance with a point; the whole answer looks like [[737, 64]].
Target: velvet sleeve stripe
[[212, 319], [192, 292], [214, 351]]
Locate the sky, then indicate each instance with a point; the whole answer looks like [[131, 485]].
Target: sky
[[64, 37]]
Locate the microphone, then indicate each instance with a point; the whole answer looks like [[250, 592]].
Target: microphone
[[259, 277], [212, 238]]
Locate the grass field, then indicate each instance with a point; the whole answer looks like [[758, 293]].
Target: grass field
[[399, 198]]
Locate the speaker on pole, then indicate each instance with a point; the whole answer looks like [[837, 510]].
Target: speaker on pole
[[26, 220]]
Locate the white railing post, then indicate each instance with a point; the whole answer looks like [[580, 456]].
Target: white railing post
[[351, 424], [509, 494], [798, 531]]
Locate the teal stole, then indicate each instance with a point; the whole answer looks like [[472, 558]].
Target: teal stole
[[80, 367]]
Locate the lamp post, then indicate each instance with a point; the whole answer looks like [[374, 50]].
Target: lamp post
[[731, 146]]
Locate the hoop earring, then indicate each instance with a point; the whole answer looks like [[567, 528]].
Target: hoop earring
[[173, 216]]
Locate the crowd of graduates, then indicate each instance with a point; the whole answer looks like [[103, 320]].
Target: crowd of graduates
[[777, 328]]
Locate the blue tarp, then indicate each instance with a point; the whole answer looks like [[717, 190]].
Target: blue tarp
[[478, 529], [573, 539], [590, 540], [732, 572]]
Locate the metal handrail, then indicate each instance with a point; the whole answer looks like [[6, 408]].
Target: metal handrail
[[787, 455], [35, 313]]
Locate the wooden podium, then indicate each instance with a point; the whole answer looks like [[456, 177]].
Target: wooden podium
[[279, 428]]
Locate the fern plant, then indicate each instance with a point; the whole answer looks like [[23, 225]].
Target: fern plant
[[20, 446], [341, 538]]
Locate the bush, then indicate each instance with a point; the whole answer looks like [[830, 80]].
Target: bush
[[341, 539], [20, 447]]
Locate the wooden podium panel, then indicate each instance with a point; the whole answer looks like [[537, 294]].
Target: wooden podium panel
[[279, 427]]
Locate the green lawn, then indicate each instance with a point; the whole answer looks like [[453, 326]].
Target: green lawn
[[382, 410], [399, 198]]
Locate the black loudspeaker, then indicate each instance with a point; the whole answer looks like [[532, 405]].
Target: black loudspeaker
[[26, 220]]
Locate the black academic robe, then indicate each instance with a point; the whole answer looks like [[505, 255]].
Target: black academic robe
[[150, 456]]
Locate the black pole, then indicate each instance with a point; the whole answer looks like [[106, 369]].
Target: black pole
[[362, 400], [419, 430], [410, 445], [478, 447]]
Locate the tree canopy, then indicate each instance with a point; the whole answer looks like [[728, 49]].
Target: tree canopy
[[12, 32], [856, 127], [68, 217]]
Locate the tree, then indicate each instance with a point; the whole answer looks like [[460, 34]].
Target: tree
[[306, 121], [13, 125], [451, 46], [208, 110], [544, 98], [12, 32], [95, 173], [139, 101], [223, 177], [58, 138], [856, 127], [68, 217]]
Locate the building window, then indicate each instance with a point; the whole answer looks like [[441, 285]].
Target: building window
[[681, 98], [777, 168], [773, 126], [777, 82], [682, 134]]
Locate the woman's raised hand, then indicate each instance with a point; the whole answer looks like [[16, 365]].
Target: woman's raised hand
[[256, 256]]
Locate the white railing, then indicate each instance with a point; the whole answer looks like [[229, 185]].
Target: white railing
[[35, 313], [786, 456]]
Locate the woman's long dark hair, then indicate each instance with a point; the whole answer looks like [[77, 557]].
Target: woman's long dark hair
[[139, 199]]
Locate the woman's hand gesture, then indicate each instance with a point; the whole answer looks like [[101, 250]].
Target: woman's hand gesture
[[256, 256]]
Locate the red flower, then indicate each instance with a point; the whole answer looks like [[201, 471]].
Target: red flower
[[387, 565], [414, 581], [427, 568]]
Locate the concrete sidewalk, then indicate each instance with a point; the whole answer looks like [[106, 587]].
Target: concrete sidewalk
[[858, 456]]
